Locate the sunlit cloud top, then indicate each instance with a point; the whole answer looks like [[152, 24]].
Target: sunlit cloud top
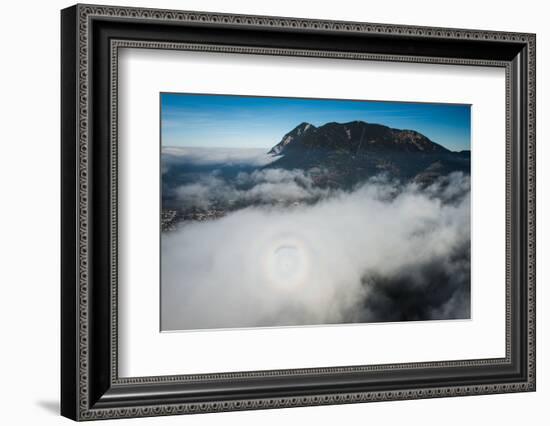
[[227, 121]]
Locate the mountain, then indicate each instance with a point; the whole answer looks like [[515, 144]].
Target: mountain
[[351, 152], [354, 137]]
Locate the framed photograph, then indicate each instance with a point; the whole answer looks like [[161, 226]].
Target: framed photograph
[[263, 212]]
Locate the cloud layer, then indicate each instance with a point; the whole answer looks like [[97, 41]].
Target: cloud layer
[[259, 186], [382, 252], [218, 156]]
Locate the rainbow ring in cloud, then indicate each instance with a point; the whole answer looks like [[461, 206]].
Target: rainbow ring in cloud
[[286, 262]]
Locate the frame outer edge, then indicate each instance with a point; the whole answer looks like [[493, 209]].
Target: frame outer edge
[[82, 211], [69, 189], [83, 13], [531, 200]]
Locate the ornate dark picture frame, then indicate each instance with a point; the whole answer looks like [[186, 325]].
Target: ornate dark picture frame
[[90, 38]]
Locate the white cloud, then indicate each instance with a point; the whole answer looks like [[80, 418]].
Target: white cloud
[[260, 186], [342, 259], [222, 156]]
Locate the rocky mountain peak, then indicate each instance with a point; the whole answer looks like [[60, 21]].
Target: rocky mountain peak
[[354, 137]]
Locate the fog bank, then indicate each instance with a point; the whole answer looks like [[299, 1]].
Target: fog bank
[[382, 252]]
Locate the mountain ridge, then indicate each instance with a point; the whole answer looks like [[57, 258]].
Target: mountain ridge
[[355, 136], [353, 151]]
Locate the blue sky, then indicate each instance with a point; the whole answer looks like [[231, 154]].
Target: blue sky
[[261, 122]]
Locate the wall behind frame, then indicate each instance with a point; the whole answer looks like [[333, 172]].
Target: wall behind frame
[[29, 213]]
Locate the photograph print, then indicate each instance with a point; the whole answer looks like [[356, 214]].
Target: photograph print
[[281, 211]]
